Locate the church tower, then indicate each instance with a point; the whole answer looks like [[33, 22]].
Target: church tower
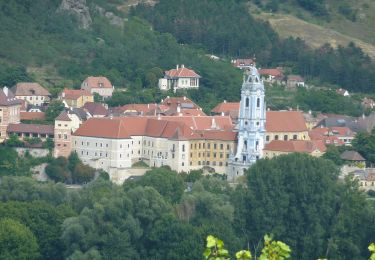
[[251, 125]]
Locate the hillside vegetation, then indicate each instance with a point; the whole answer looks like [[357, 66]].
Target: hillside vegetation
[[314, 35], [43, 44]]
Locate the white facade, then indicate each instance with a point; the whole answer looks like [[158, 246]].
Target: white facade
[[163, 84], [251, 125], [35, 100], [103, 153], [107, 154], [104, 92]]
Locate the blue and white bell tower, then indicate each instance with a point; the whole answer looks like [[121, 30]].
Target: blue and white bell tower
[[251, 125]]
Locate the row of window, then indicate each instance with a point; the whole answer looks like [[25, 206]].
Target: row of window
[[34, 135], [31, 98], [209, 163], [208, 154], [276, 137], [203, 145]]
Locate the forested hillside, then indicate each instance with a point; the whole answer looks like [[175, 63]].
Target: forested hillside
[[43, 44], [226, 28]]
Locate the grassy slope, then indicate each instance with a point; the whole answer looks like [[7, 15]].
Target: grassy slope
[[316, 32]]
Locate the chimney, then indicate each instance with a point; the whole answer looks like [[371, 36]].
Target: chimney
[[177, 66], [310, 111], [184, 98], [159, 117], [178, 108], [213, 123], [6, 91], [225, 101], [148, 105], [182, 66], [222, 113]]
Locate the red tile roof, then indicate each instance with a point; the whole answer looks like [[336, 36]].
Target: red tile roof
[[32, 115], [297, 78], [98, 82], [242, 62], [95, 108], [7, 98], [226, 107], [142, 108], [63, 117], [271, 72], [181, 72], [184, 102], [291, 146], [276, 121], [285, 121], [74, 93], [183, 128], [30, 128], [103, 128], [29, 89], [203, 122]]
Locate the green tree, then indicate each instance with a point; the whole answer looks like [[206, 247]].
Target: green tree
[[364, 143], [17, 241], [58, 170], [8, 161], [54, 109], [43, 219], [14, 141], [297, 197], [333, 154], [83, 173], [168, 183]]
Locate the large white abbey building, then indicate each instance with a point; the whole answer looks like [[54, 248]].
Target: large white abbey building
[[251, 125]]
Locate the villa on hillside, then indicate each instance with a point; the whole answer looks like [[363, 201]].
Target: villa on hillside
[[179, 78], [32, 93], [100, 85]]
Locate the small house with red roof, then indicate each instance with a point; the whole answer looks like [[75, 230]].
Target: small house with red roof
[[100, 85], [243, 63], [272, 75], [76, 97], [179, 78], [294, 81]]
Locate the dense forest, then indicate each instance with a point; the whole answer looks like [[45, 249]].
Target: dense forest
[[226, 28], [297, 198]]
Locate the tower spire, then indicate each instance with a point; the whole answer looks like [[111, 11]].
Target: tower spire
[[251, 124]]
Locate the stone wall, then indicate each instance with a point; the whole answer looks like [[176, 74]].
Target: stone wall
[[35, 152]]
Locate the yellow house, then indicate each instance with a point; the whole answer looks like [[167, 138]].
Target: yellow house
[[76, 97], [212, 149], [285, 125]]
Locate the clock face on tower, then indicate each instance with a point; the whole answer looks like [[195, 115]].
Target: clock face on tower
[[258, 92], [247, 92]]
